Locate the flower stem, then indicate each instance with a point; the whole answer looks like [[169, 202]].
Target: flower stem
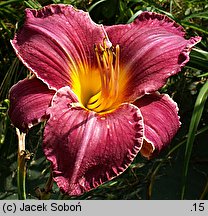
[[21, 165]]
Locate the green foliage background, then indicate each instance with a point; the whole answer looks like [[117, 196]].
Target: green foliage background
[[181, 171]]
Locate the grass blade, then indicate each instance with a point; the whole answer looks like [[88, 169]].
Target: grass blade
[[134, 16], [199, 59], [3, 3], [194, 26], [196, 116], [95, 4], [33, 4], [201, 15]]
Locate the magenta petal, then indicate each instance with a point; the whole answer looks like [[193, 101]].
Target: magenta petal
[[55, 41], [29, 99], [87, 149], [161, 122], [153, 48]]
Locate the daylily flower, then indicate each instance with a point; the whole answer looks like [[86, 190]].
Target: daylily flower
[[97, 88]]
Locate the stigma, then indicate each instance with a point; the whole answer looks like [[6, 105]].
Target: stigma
[[108, 66]]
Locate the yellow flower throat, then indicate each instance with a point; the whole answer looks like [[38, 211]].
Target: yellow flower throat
[[99, 88]]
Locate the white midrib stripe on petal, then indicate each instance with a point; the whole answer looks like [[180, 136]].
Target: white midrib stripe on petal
[[87, 135]]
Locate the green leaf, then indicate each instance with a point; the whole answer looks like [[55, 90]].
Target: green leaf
[[194, 26], [33, 4], [203, 75], [3, 3], [95, 4], [134, 16], [196, 117], [199, 59], [201, 15]]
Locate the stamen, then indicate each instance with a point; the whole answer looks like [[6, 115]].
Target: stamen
[[108, 65]]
